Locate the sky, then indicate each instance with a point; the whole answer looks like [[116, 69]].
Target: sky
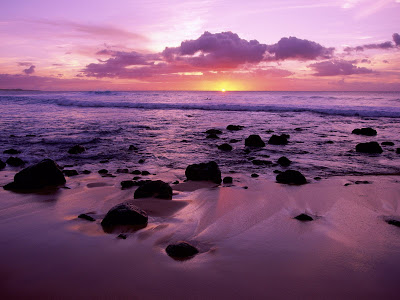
[[260, 45]]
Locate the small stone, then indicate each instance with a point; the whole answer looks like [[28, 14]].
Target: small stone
[[234, 127], [284, 161], [77, 149], [132, 148], [103, 171], [212, 136], [365, 131], [204, 171], [181, 250], [126, 184], [227, 180], [278, 139], [254, 175], [245, 187], [86, 172], [86, 217], [232, 141], [124, 214], [225, 147], [362, 182], [158, 189], [291, 177], [387, 144], [175, 182], [304, 218], [11, 151], [145, 173], [2, 165], [254, 140], [141, 161], [123, 171], [15, 161], [136, 172], [122, 236], [261, 162], [70, 173], [371, 147], [317, 178], [213, 131], [347, 184], [393, 222]]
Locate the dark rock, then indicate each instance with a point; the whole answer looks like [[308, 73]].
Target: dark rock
[[261, 162], [204, 171], [269, 131], [317, 178], [122, 236], [245, 187], [108, 175], [103, 171], [298, 129], [227, 179], [212, 136], [398, 151], [15, 161], [365, 131], [77, 149], [126, 184], [284, 161], [70, 173], [11, 151], [46, 173], [136, 172], [66, 166], [225, 147], [387, 144], [2, 165], [277, 171], [123, 171], [329, 142], [158, 189], [133, 148], [371, 147], [86, 172], [181, 250], [213, 131], [304, 218], [278, 139], [145, 173], [124, 214], [254, 140], [393, 222], [104, 161], [254, 175], [141, 161], [291, 177], [86, 217], [175, 182], [347, 184], [234, 127], [362, 182], [232, 141], [136, 178]]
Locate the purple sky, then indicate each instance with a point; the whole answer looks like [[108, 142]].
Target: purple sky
[[200, 45]]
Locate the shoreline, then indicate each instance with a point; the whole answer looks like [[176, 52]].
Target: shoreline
[[250, 245]]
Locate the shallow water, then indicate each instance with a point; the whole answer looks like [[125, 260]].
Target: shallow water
[[168, 128]]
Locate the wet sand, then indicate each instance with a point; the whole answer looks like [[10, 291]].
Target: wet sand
[[250, 245]]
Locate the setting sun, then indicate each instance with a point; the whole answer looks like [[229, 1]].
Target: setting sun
[[223, 90]]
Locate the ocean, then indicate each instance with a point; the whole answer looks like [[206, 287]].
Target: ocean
[[168, 129]]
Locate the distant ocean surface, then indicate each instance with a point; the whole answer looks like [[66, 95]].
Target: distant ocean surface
[[168, 128]]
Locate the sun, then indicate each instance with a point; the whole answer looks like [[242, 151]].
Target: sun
[[223, 90]]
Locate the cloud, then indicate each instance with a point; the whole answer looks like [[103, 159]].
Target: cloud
[[396, 38], [30, 70], [384, 45], [298, 49], [24, 64], [338, 67], [220, 50]]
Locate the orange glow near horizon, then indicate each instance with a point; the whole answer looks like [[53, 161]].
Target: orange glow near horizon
[[223, 90]]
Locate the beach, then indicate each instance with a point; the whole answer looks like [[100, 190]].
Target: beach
[[250, 245], [107, 145]]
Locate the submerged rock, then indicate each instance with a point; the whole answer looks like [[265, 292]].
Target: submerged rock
[[158, 189], [234, 127], [291, 177], [204, 171], [145, 173], [77, 149], [70, 173], [181, 250], [254, 140], [225, 147], [368, 131], [398, 151], [371, 147], [212, 136], [2, 165], [284, 161], [103, 171], [213, 131], [11, 151], [122, 171], [254, 175], [124, 214], [232, 141], [261, 162], [86, 217], [278, 139], [304, 218], [227, 180], [132, 148], [393, 222], [15, 161], [46, 173]]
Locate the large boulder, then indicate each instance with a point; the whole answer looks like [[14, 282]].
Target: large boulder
[[77, 149], [371, 147], [2, 165], [291, 177], [278, 139], [124, 214], [368, 131], [43, 174], [181, 250], [157, 189], [254, 140], [204, 171]]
